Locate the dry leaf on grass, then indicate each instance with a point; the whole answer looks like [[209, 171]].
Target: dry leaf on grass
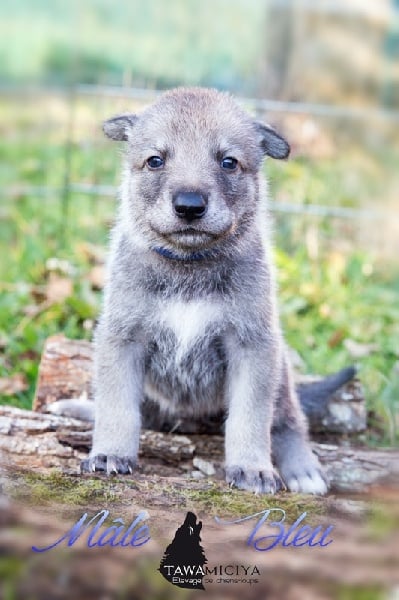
[[60, 265], [13, 385], [95, 254], [58, 288], [336, 338], [97, 277], [357, 350]]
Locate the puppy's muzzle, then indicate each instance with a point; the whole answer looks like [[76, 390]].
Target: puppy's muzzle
[[190, 205]]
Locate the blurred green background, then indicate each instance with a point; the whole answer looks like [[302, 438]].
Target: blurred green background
[[326, 74]]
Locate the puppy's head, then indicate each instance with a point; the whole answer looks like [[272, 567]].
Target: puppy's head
[[191, 177]]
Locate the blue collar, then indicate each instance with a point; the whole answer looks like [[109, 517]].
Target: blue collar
[[200, 255]]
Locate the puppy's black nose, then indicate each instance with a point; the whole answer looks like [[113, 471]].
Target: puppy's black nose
[[190, 205]]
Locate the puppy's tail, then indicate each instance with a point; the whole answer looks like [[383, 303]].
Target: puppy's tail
[[314, 396]]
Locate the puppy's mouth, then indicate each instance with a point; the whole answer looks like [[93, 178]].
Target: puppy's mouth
[[190, 238], [187, 237], [188, 230]]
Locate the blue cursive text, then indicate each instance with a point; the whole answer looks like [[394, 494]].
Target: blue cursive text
[[295, 535], [137, 534]]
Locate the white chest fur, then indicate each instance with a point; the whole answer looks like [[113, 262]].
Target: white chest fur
[[188, 320]]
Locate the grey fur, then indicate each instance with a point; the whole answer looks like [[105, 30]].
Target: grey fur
[[198, 336]]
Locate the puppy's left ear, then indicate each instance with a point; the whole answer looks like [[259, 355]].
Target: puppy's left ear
[[272, 143]]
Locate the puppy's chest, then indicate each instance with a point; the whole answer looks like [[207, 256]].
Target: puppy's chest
[[185, 361], [186, 324], [188, 321], [185, 345]]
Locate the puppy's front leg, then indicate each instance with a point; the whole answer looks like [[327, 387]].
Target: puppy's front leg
[[251, 386], [118, 389]]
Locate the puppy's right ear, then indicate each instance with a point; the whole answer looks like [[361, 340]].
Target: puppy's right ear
[[116, 128]]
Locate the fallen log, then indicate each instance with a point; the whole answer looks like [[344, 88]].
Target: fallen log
[[33, 440], [65, 373]]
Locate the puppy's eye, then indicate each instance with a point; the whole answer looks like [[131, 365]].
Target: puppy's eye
[[155, 162], [229, 163]]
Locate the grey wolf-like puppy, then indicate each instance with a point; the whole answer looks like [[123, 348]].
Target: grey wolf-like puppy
[[190, 317]]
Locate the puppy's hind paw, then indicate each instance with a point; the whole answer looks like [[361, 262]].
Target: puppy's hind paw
[[253, 480], [111, 464], [310, 482]]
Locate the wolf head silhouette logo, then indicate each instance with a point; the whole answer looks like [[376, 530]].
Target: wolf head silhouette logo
[[184, 559]]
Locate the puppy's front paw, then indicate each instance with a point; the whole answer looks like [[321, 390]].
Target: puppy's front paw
[[109, 464], [310, 480], [258, 481]]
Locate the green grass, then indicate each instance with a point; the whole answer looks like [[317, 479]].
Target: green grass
[[156, 43], [340, 291], [358, 592], [322, 305]]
